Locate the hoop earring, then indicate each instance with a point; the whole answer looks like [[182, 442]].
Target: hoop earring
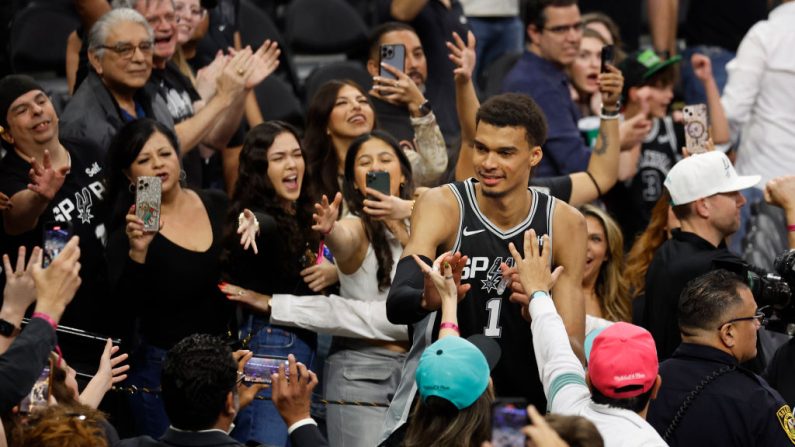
[[131, 188], [183, 176]]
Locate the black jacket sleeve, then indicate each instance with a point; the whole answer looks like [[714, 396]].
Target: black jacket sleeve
[[307, 436], [404, 301], [22, 364]]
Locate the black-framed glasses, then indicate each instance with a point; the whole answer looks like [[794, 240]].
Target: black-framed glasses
[[758, 316], [563, 29], [125, 50]]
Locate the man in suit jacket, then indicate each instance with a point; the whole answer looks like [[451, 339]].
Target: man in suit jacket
[[199, 388]]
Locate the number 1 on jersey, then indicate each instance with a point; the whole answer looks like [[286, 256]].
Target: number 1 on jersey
[[493, 329]]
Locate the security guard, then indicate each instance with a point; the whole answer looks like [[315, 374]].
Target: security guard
[[707, 398]]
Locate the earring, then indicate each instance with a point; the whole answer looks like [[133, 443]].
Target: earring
[[183, 177], [131, 188], [328, 132]]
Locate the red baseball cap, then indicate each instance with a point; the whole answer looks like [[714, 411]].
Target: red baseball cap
[[623, 362]]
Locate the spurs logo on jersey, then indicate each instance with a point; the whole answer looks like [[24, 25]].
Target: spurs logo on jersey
[[82, 203], [487, 308]]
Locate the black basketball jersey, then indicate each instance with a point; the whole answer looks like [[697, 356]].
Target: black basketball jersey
[[487, 309]]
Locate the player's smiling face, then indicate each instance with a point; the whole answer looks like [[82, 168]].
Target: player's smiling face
[[503, 158]]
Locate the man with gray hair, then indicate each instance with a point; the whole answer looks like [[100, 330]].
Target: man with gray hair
[[115, 91]]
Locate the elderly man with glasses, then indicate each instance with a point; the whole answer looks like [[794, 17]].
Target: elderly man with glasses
[[121, 47], [707, 398]]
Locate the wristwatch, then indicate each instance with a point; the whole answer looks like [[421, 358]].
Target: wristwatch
[[7, 329], [425, 108]]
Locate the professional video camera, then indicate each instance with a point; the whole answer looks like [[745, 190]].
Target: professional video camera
[[772, 290]]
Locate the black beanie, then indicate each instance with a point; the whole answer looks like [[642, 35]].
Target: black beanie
[[11, 88]]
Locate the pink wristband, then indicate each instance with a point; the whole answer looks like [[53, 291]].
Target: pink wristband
[[46, 318], [791, 227], [449, 325]]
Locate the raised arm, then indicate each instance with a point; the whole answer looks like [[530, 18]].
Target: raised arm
[[568, 250], [29, 204], [781, 192], [602, 170], [702, 67], [345, 238], [745, 80], [406, 10], [410, 298], [463, 56]]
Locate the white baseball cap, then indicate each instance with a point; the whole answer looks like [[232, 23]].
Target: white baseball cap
[[703, 175]]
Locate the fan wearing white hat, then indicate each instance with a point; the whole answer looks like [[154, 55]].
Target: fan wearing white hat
[[705, 194]]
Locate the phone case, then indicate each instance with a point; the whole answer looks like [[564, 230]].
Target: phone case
[[39, 396], [696, 134], [147, 202], [508, 417], [379, 181], [54, 238], [393, 55], [608, 57]]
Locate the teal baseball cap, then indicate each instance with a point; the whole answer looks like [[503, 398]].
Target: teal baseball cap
[[454, 369]]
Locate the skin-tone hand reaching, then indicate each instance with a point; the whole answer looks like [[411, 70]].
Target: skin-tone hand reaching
[[249, 298], [139, 239], [56, 285], [44, 179], [248, 229], [702, 67], [400, 91], [206, 77], [326, 214], [463, 56], [5, 202], [431, 299], [20, 290], [441, 275], [247, 392], [533, 270], [110, 372], [264, 62], [293, 397]]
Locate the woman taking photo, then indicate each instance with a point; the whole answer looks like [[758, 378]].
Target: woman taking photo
[[340, 112], [273, 216], [168, 278], [366, 245]]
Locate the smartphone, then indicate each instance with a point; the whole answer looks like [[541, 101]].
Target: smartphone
[[55, 237], [393, 55], [39, 396], [260, 367], [147, 202], [696, 134], [508, 417], [379, 181], [608, 57]]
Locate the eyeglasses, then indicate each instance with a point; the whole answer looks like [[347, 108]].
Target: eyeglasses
[[758, 316], [196, 11], [126, 50], [563, 29]]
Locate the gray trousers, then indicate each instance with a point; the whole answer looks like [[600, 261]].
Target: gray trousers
[[367, 375]]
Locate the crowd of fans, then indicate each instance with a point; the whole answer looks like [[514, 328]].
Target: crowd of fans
[[419, 254]]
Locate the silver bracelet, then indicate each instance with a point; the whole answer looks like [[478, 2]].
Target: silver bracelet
[[608, 117]]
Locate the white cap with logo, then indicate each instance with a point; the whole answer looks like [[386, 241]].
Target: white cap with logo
[[703, 175]]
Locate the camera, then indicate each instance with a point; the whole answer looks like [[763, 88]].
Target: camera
[[772, 290], [387, 52]]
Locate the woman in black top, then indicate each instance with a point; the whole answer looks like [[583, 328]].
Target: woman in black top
[[269, 199], [167, 279]]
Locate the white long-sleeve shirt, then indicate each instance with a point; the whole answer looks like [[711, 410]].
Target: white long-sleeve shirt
[[563, 378], [337, 316], [759, 97]]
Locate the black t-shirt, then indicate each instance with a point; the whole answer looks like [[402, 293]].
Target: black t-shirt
[[175, 293], [220, 33], [631, 202], [80, 202], [722, 23], [558, 187]]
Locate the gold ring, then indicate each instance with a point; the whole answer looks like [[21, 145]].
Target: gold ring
[[240, 71], [240, 293]]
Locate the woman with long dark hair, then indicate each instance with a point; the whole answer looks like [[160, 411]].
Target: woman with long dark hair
[[366, 248], [166, 279], [273, 216]]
